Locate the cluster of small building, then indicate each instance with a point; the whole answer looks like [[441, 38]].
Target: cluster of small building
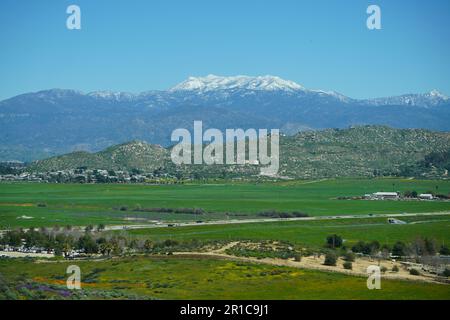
[[395, 196], [82, 176], [23, 249], [32, 251]]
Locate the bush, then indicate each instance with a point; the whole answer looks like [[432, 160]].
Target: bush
[[399, 249], [446, 272], [195, 211], [366, 247], [298, 257], [395, 269], [348, 265], [87, 244], [170, 243], [407, 194], [383, 269], [58, 252], [349, 256], [330, 259], [444, 250], [414, 272], [277, 214]]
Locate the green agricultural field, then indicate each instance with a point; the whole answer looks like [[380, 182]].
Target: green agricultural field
[[160, 278], [312, 233], [79, 204]]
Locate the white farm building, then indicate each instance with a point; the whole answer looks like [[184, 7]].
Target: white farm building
[[382, 196]]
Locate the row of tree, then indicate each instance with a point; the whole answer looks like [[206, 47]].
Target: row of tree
[[418, 247], [63, 242]]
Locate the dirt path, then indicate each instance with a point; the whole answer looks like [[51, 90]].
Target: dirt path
[[225, 247]]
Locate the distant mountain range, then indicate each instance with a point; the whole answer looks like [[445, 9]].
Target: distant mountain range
[[38, 125], [365, 151]]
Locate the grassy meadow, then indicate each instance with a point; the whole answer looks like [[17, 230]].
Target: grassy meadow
[[159, 277], [79, 204], [193, 277], [312, 233]]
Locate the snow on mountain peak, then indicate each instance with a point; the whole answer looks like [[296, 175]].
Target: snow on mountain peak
[[112, 95], [430, 99], [246, 85], [213, 82], [435, 93], [333, 94]]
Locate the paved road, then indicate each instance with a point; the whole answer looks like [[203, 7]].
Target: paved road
[[236, 221], [268, 220]]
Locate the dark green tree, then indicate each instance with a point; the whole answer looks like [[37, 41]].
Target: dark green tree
[[334, 241]]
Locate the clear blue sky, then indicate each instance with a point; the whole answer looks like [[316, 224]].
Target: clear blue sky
[[139, 45]]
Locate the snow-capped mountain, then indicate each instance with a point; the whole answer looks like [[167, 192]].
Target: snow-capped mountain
[[426, 100], [213, 83], [36, 125], [244, 85]]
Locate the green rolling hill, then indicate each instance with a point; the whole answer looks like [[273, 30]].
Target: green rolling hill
[[364, 151]]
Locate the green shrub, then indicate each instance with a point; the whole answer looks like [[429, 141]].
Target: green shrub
[[395, 269], [298, 257], [446, 272], [349, 256], [444, 250], [414, 272], [399, 249], [383, 269], [348, 265], [330, 259], [366, 247]]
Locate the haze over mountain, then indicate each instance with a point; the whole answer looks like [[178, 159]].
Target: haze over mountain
[[41, 124]]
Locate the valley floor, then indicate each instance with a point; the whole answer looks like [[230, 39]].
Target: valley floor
[[199, 277], [231, 216]]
